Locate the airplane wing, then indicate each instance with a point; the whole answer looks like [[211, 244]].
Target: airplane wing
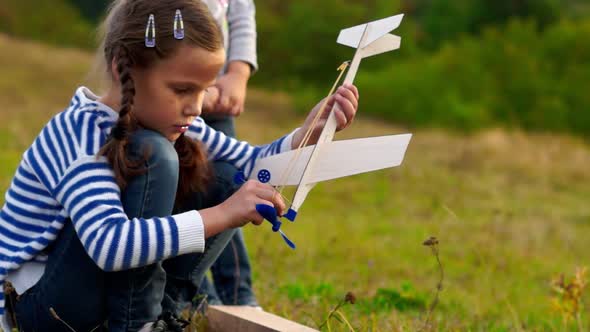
[[337, 159]]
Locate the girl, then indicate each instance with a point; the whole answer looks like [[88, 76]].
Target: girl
[[107, 215]]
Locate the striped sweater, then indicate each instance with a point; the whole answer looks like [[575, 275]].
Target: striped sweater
[[61, 177]]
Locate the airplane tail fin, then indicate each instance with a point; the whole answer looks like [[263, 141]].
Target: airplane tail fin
[[376, 29]]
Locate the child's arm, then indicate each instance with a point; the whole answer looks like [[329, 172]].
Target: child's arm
[[241, 60], [241, 18], [92, 199], [60, 177], [243, 155], [238, 153]]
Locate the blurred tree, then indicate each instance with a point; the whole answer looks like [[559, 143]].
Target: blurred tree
[[297, 39], [442, 20], [515, 76], [92, 10], [464, 64]]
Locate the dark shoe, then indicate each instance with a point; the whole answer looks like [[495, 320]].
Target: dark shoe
[[168, 322]]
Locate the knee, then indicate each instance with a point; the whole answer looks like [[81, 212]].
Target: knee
[[224, 171], [223, 185], [159, 153]]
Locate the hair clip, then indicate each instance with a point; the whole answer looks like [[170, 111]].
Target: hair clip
[[150, 32], [178, 25]]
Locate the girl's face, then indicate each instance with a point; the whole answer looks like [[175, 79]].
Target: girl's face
[[170, 94]]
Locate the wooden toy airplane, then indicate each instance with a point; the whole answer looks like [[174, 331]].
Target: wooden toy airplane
[[329, 159]]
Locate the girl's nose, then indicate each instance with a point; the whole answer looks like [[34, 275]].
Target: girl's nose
[[195, 106], [192, 109]]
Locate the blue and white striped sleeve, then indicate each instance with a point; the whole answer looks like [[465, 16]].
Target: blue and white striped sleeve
[[92, 199], [239, 153], [85, 187]]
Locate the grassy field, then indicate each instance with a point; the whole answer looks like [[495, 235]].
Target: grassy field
[[510, 210]]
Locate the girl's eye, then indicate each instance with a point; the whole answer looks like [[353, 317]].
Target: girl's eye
[[183, 91]]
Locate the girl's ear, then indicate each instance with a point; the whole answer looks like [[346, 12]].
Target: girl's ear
[[114, 70]]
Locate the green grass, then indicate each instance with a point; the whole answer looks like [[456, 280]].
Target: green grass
[[510, 210]]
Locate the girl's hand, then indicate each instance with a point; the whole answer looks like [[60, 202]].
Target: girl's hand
[[346, 97], [240, 208]]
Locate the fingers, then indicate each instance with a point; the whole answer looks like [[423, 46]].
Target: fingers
[[237, 108], [352, 88], [347, 99], [341, 120], [279, 204], [271, 197], [213, 92], [210, 99], [330, 103], [344, 113], [343, 104], [229, 105], [223, 104], [257, 219], [349, 92], [212, 95], [262, 194]]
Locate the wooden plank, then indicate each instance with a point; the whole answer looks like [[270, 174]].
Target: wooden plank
[[248, 319]]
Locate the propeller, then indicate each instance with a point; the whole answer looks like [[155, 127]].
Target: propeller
[[267, 212], [270, 213]]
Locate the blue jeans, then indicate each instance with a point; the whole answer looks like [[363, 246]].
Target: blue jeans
[[232, 275], [84, 296]]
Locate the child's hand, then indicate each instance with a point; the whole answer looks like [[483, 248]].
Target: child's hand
[[240, 208], [347, 97], [232, 88], [211, 98], [229, 92]]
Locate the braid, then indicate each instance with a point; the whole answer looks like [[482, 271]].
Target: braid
[[124, 123], [194, 168], [116, 147]]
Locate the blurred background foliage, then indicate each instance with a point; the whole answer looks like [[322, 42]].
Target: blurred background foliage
[[463, 64]]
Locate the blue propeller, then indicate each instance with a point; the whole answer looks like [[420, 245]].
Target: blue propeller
[[267, 212], [270, 213]]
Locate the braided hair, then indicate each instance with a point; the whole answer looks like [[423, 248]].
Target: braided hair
[[123, 44], [115, 149]]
